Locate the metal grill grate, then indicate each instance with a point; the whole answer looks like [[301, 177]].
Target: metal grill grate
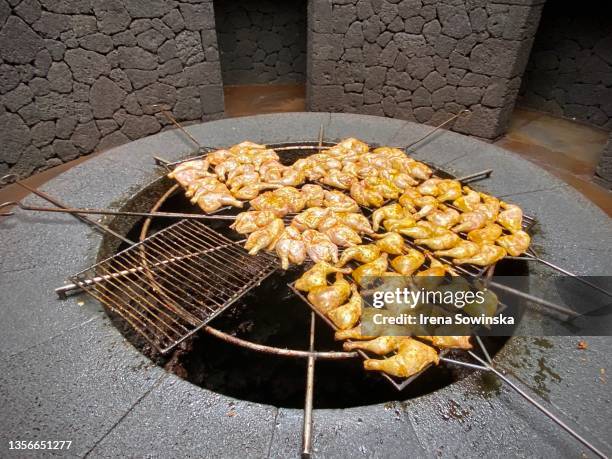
[[171, 284]]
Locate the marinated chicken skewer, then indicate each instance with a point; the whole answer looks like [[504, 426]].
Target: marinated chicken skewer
[[360, 253], [247, 222], [346, 316], [516, 243], [511, 217], [351, 333], [290, 247], [411, 358], [320, 247], [409, 263], [264, 238], [317, 276], [448, 342], [365, 272], [328, 297], [391, 243], [487, 255]]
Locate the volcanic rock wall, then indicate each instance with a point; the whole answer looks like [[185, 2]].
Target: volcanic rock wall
[[262, 41], [83, 75], [421, 60], [604, 168], [570, 69]]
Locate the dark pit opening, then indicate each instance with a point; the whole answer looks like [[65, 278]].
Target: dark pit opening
[[271, 315]]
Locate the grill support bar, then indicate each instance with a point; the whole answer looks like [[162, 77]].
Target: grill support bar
[[308, 402]]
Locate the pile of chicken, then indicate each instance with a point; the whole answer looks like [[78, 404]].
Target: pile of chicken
[[322, 220]]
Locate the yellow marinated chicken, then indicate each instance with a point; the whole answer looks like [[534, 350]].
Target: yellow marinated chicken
[[252, 190], [385, 187], [417, 169], [470, 221], [317, 276], [265, 237], [366, 196], [310, 218], [430, 187], [511, 217], [468, 201], [392, 211], [396, 225], [213, 201], [411, 358], [382, 345], [342, 235], [361, 253], [516, 243], [441, 241], [328, 297], [320, 247], [487, 235], [247, 222], [490, 206], [314, 194], [449, 342], [339, 202], [464, 249], [391, 243], [290, 247], [443, 216], [351, 333], [426, 205], [338, 179], [487, 255], [422, 230], [449, 190], [346, 316], [373, 269], [409, 263], [295, 199], [271, 202]]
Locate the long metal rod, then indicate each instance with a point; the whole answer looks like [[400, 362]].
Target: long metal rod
[[540, 407], [440, 126], [534, 299], [179, 126], [62, 291], [463, 364], [59, 204], [89, 211], [475, 176], [308, 402], [566, 272]]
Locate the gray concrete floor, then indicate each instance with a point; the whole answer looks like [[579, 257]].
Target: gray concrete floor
[[568, 149]]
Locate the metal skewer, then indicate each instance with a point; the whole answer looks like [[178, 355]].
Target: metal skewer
[[534, 299], [59, 204], [475, 176], [71, 210], [440, 126], [308, 402], [179, 126]]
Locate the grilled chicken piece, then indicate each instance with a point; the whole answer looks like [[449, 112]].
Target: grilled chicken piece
[[328, 297], [468, 201], [464, 249], [204, 185], [516, 243], [361, 253], [449, 190], [217, 157], [290, 177], [436, 269], [351, 333], [358, 222], [317, 276], [489, 206], [224, 168], [426, 205], [366, 196], [241, 176], [373, 269], [247, 222], [342, 235], [393, 225], [347, 315], [338, 179], [407, 199], [310, 218], [320, 247], [339, 202], [444, 216], [443, 240], [382, 345], [417, 170], [392, 211], [511, 217], [391, 243], [487, 255], [314, 194], [265, 237], [251, 191], [409, 263], [185, 173], [487, 235], [422, 230], [271, 202], [448, 342], [290, 247], [411, 358], [430, 187], [470, 221], [401, 180], [210, 201], [385, 187], [294, 198], [271, 170]]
